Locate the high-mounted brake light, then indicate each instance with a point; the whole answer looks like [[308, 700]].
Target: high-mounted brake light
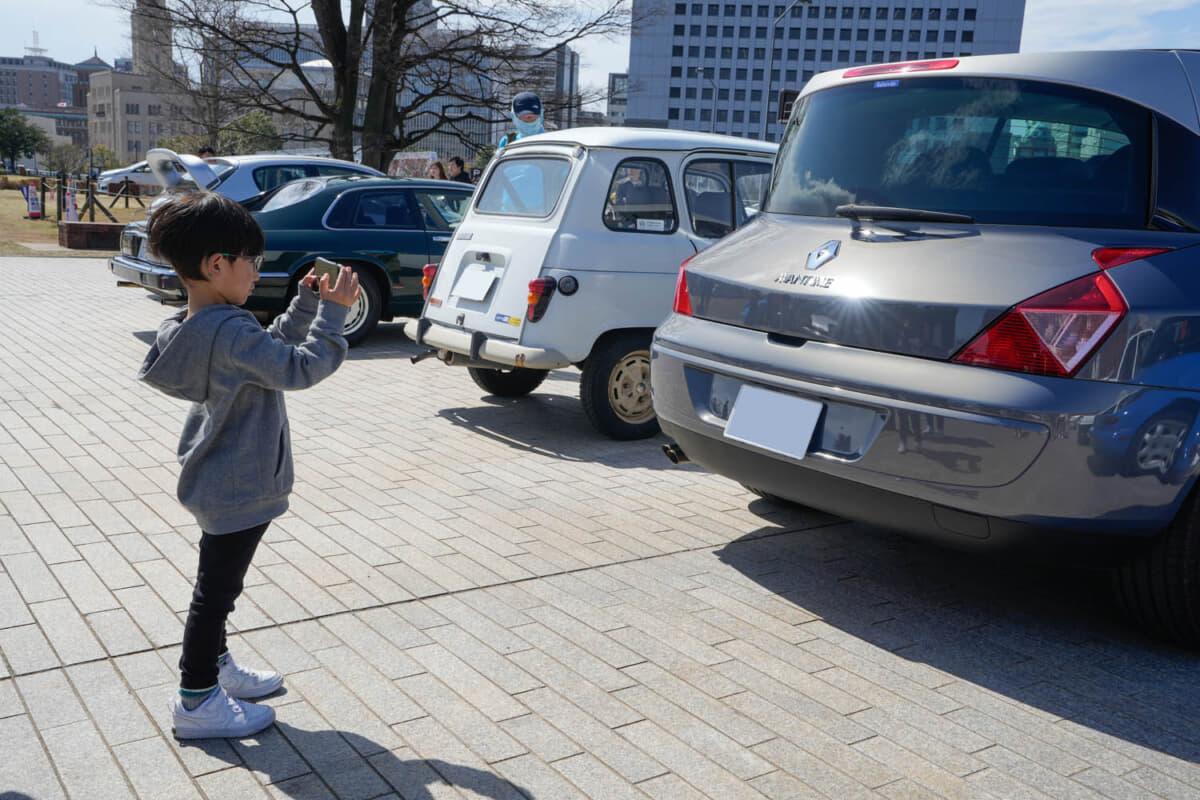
[[1109, 257], [1053, 333], [901, 67], [683, 303], [540, 292], [428, 273]]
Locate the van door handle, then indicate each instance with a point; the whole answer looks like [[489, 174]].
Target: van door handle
[[441, 238]]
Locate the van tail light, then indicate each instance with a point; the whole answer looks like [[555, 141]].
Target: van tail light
[[683, 303], [428, 273], [540, 292], [902, 67], [1053, 333]]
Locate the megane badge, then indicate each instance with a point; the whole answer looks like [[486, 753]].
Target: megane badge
[[823, 255]]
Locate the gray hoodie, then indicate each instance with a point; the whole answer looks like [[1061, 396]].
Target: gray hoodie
[[235, 448]]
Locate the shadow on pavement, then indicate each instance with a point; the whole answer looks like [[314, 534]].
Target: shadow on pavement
[[350, 765], [555, 426], [1046, 636]]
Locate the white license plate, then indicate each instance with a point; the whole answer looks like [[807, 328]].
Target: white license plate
[[474, 283], [781, 423]]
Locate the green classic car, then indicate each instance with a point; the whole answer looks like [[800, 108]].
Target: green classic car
[[387, 229]]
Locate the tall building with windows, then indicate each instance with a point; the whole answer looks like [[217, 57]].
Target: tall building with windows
[[720, 66]]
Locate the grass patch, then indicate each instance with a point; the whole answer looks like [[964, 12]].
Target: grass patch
[[15, 228]]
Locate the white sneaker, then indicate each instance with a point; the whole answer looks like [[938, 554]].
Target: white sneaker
[[246, 684], [219, 717]]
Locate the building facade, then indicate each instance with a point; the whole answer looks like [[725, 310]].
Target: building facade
[[618, 97], [36, 81], [127, 117], [720, 66], [62, 125]]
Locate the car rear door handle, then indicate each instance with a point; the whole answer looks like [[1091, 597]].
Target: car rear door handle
[[441, 238]]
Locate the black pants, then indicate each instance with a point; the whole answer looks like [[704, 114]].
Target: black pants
[[224, 561]]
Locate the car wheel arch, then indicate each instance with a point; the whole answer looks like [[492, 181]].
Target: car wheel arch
[[613, 333]]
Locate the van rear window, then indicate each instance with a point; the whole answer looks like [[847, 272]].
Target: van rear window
[[524, 187], [1002, 151]]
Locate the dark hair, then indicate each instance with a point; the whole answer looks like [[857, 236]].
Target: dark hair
[[187, 229], [457, 161], [206, 148]]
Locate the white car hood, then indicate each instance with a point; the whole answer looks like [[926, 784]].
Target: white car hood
[[170, 167]]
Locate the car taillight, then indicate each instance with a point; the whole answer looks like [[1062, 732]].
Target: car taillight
[[683, 303], [1052, 333], [428, 273], [902, 67], [540, 292], [1109, 257]]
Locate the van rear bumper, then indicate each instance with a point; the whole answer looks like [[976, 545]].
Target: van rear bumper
[[478, 346]]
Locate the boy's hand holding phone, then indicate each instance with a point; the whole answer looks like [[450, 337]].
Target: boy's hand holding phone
[[334, 282]]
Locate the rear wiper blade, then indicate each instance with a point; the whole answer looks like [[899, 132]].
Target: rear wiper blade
[[857, 211]]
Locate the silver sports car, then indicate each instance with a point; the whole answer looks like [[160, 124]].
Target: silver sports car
[[970, 310]]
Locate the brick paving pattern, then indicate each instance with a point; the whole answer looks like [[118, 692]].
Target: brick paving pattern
[[473, 597]]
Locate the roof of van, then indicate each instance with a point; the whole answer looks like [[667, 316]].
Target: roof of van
[[647, 139], [1158, 79]]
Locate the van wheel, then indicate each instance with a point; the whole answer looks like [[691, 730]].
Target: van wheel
[[615, 388], [1160, 586], [363, 315], [512, 382]]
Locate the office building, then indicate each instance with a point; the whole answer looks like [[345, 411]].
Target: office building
[[618, 97], [36, 81], [708, 66]]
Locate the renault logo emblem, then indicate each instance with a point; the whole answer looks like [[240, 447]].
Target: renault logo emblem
[[823, 255]]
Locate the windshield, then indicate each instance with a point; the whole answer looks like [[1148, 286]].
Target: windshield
[[524, 187], [1000, 151]]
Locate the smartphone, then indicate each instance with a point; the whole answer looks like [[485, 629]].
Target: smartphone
[[323, 266]]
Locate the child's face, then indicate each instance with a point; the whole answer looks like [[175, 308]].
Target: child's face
[[234, 277]]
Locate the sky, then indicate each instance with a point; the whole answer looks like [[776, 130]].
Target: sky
[[69, 30]]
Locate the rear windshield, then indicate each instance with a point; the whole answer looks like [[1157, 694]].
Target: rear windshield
[[524, 187], [1002, 151]]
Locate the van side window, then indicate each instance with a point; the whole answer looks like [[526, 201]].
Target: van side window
[[722, 194], [640, 198]]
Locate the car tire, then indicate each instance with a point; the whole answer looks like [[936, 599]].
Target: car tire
[[1159, 587], [511, 382], [364, 314], [615, 387]]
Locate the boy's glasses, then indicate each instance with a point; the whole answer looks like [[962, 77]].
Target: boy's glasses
[[255, 261]]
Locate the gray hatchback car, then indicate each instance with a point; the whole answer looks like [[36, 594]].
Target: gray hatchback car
[[971, 311]]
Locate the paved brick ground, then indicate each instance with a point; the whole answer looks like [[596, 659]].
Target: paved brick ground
[[481, 598]]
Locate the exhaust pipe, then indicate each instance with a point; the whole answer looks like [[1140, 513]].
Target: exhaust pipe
[[675, 453]]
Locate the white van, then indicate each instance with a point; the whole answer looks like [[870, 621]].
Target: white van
[[569, 255]]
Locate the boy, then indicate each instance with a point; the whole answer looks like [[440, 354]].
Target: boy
[[235, 451]]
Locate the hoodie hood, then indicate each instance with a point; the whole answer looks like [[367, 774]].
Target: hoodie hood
[[179, 362]]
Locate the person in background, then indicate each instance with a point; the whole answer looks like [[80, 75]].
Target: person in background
[[436, 171], [206, 152], [457, 170], [526, 116]]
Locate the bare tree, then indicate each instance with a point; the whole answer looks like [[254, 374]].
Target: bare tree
[[452, 66]]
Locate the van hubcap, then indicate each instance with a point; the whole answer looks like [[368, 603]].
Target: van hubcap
[[629, 388]]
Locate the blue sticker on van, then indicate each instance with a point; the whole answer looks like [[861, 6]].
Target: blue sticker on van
[[887, 84]]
